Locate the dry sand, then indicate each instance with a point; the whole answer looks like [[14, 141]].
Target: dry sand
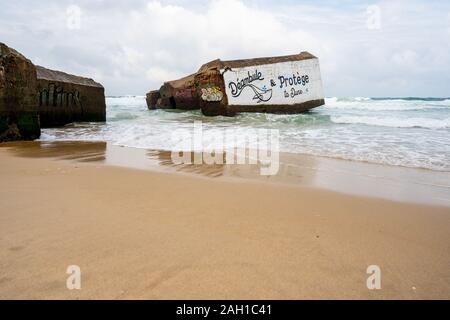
[[158, 235]]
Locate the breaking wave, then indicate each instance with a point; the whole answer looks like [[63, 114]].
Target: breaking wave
[[412, 132], [394, 122], [387, 104]]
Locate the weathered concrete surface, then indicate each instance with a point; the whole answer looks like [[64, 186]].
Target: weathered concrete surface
[[32, 97], [152, 99], [207, 88], [19, 119], [215, 77], [176, 94], [211, 88], [65, 98]]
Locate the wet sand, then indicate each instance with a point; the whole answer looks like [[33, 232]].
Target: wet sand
[[350, 177], [216, 232]]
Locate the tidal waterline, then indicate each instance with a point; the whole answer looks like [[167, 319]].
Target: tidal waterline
[[408, 132]]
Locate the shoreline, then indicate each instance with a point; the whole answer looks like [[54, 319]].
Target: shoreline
[[350, 177], [142, 234]]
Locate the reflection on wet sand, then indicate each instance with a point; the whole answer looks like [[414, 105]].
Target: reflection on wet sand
[[398, 183], [287, 173], [159, 159], [65, 150], [164, 158]]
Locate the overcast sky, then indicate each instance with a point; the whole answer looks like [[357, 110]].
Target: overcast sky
[[384, 48]]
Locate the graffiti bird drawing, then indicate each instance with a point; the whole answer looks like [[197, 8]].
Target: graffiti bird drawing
[[261, 94]]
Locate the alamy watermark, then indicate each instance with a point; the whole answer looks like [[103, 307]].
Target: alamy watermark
[[374, 280], [73, 281], [227, 146], [373, 21], [73, 17]]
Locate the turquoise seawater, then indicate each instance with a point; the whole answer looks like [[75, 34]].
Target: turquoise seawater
[[411, 132]]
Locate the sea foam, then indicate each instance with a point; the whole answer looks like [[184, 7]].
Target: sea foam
[[405, 132], [394, 122]]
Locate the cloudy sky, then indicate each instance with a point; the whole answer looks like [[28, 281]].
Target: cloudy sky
[[373, 48]]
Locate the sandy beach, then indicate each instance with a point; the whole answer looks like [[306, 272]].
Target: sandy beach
[[155, 234]]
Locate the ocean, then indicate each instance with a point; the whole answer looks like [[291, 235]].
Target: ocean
[[409, 132]]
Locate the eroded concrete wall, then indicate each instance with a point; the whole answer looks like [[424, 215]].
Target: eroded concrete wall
[[19, 119], [286, 84], [32, 97], [65, 98]]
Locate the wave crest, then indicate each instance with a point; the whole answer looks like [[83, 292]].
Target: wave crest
[[394, 122]]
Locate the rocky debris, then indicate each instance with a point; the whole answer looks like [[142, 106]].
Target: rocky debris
[[207, 89], [65, 98], [19, 119]]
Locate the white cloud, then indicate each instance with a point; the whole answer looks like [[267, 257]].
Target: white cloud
[[128, 60], [160, 75], [134, 46], [407, 58]]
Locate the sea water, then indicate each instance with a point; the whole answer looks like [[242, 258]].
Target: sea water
[[409, 132]]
